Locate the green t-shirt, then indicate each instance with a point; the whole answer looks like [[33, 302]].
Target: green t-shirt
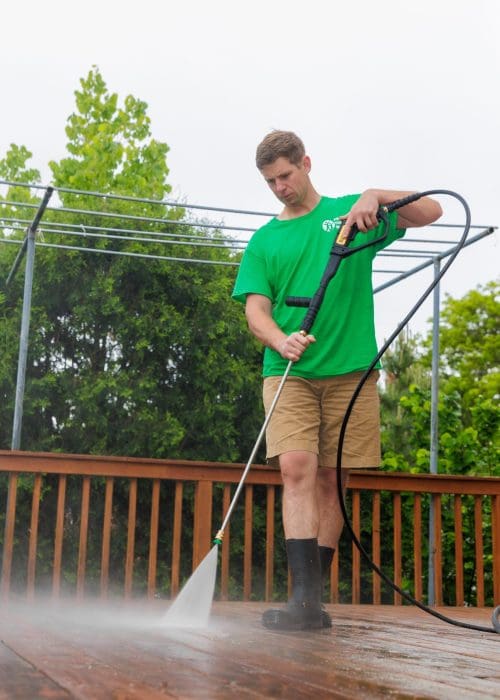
[[288, 258]]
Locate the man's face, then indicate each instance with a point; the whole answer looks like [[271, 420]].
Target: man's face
[[290, 183]]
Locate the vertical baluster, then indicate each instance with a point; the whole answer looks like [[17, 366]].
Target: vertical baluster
[[376, 583], [224, 586], [417, 545], [495, 544], [82, 545], [176, 539], [397, 545], [35, 510], [8, 547], [247, 556], [106, 535], [131, 524], [459, 556], [356, 558], [271, 492], [61, 497], [478, 530], [202, 527], [438, 557], [153, 538]]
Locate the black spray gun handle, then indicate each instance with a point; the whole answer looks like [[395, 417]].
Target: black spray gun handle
[[339, 251]]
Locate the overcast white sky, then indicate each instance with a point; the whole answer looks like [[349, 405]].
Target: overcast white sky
[[393, 94]]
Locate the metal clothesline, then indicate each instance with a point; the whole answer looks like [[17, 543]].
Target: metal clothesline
[[194, 238]]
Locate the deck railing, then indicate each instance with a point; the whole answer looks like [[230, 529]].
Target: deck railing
[[85, 525]]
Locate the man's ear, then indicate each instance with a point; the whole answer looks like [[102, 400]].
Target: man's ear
[[306, 162]]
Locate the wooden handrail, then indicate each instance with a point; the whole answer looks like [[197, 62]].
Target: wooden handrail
[[185, 470], [204, 488]]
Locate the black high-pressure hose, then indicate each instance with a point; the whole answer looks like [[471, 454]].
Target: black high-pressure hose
[[496, 613]]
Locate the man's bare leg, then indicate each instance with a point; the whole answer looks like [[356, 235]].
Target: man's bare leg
[[331, 521], [300, 497], [301, 522], [330, 514]]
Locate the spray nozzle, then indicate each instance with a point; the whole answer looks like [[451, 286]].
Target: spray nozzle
[[218, 537]]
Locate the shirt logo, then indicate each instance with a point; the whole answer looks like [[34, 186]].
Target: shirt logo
[[331, 224]]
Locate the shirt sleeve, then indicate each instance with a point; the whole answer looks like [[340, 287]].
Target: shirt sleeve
[[252, 277]]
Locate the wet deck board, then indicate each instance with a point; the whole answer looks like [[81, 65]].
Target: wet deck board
[[122, 651]]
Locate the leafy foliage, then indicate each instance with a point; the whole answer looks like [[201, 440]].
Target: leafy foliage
[[128, 355], [469, 386]]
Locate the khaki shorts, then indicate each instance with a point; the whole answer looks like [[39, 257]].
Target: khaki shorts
[[309, 414]]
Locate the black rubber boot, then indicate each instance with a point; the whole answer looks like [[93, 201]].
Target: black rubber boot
[[303, 610], [325, 560]]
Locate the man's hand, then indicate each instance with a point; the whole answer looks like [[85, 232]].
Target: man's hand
[[258, 311], [293, 346], [363, 213]]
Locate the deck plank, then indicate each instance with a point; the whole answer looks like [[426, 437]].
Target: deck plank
[[405, 657], [19, 680], [120, 650]]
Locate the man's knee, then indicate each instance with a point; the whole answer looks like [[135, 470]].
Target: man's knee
[[298, 467], [328, 480]]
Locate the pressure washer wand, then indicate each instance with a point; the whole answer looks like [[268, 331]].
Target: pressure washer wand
[[218, 537]]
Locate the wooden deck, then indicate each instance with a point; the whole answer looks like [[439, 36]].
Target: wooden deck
[[120, 650]]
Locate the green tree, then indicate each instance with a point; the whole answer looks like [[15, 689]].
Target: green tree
[[129, 355], [470, 340], [469, 385], [13, 168], [402, 370], [110, 146]]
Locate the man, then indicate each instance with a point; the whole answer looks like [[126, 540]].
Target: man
[[287, 257]]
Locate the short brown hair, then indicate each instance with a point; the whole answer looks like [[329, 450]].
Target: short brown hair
[[279, 144]]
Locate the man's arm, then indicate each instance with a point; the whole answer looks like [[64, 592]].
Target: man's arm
[[420, 213], [258, 310]]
